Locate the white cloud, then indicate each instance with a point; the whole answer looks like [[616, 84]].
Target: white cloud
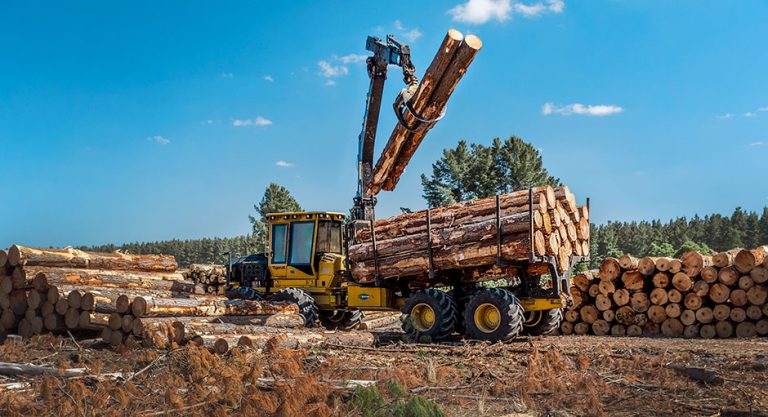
[[284, 164], [763, 109], [412, 34], [398, 25], [269, 78], [159, 139], [725, 116], [258, 121], [227, 75], [330, 82], [327, 70], [482, 11], [351, 58], [598, 110], [758, 143], [749, 114]]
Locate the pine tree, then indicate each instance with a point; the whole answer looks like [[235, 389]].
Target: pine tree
[[276, 199], [475, 171]]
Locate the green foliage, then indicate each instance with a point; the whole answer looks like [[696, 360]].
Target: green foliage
[[712, 233], [472, 171], [369, 402], [276, 199]]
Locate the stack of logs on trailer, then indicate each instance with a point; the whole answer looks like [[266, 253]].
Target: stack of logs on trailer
[[541, 221], [135, 300], [213, 278], [717, 296]]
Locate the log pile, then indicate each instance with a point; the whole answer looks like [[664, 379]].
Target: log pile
[[544, 221], [213, 278], [127, 300], [719, 296], [427, 103]]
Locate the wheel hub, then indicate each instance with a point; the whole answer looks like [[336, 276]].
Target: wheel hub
[[423, 317], [487, 318], [533, 318]]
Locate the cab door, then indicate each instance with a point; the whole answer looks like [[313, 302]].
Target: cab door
[[278, 238], [301, 250]]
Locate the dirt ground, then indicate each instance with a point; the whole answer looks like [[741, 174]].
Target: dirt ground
[[536, 376]]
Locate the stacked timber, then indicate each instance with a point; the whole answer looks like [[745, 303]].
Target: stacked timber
[[127, 300], [425, 104], [719, 296], [542, 221], [213, 278]]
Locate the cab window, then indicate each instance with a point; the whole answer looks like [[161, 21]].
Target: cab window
[[302, 236], [329, 237], [278, 243]]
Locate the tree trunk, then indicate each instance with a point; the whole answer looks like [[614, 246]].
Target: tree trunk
[[160, 307], [74, 258], [746, 260]]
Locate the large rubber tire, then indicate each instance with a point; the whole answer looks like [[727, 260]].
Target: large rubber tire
[[243, 293], [431, 301], [544, 322], [307, 306], [501, 305], [341, 319]]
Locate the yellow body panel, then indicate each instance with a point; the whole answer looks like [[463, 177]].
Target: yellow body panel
[[539, 304], [362, 297]]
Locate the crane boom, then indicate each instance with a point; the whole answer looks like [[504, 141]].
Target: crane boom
[[391, 52]]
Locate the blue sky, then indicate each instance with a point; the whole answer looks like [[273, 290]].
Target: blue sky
[[153, 120]]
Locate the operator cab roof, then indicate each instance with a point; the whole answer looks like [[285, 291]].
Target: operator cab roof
[[303, 215]]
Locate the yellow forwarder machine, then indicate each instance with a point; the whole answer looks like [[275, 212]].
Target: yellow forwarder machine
[[306, 262]]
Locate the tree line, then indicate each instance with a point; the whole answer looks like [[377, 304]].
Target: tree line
[[471, 171]]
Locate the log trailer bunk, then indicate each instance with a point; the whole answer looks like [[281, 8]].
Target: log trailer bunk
[[306, 263]]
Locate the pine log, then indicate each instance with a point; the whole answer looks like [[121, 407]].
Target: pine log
[[633, 280], [165, 281], [761, 327], [618, 330], [625, 315], [688, 317], [709, 274], [694, 262], [728, 275], [707, 331], [651, 329], [738, 314], [673, 310], [759, 274], [739, 298], [719, 293], [721, 312], [158, 307], [657, 314], [609, 315], [659, 296], [588, 314], [691, 331], [621, 297], [594, 290], [610, 269], [724, 329], [264, 337], [746, 260], [603, 302], [634, 330], [757, 295], [682, 281], [754, 313], [662, 264], [74, 258], [628, 262], [661, 280], [700, 288], [746, 329], [675, 266], [674, 296], [572, 316], [475, 254], [484, 231], [600, 327], [723, 259], [606, 287], [746, 282], [704, 315], [566, 328], [647, 265], [391, 165], [640, 302], [581, 281], [672, 327]]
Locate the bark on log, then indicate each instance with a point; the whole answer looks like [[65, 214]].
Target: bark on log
[[74, 258], [158, 307], [484, 231], [458, 66], [746, 260], [165, 281]]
